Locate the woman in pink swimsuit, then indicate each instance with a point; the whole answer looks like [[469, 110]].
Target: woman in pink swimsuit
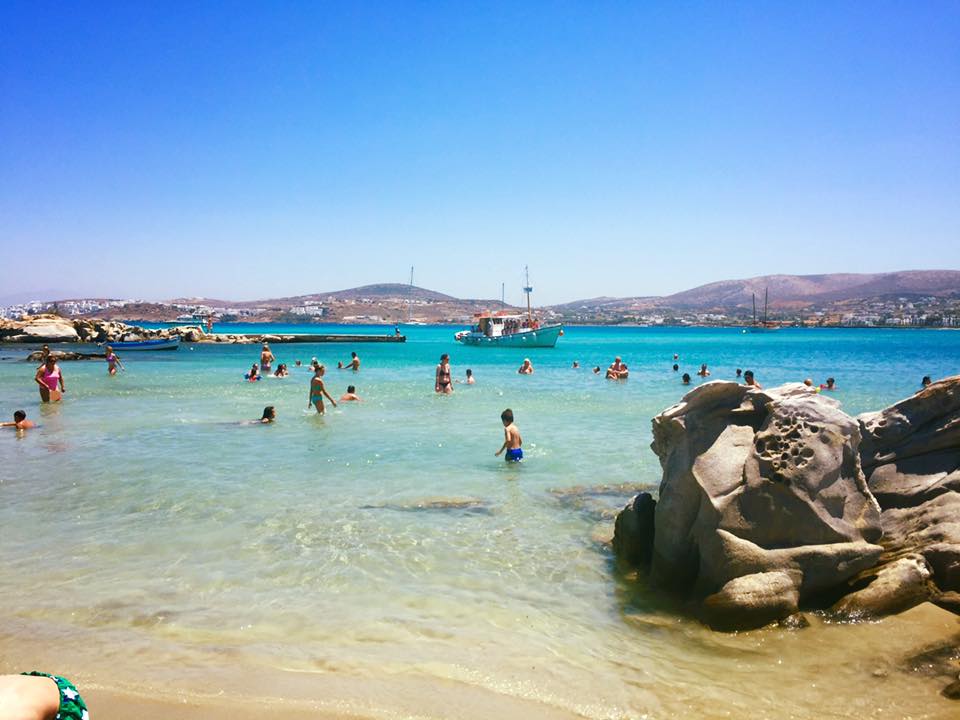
[[50, 379]]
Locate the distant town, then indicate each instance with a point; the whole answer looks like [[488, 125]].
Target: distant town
[[380, 305]]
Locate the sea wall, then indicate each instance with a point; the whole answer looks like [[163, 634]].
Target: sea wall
[[776, 501]]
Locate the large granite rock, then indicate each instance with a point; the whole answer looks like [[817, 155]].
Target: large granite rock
[[764, 485], [911, 457], [39, 328]]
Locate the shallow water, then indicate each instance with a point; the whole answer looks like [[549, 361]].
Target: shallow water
[[383, 557]]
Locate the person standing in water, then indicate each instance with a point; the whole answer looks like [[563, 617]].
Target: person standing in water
[[50, 379], [748, 379], [512, 442], [350, 395], [442, 382], [526, 368], [353, 364], [318, 390], [266, 358], [113, 361]]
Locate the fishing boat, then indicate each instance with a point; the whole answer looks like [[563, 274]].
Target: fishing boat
[[511, 329], [765, 325], [155, 344]]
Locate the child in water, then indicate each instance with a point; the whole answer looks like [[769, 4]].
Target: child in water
[[511, 438], [20, 421]]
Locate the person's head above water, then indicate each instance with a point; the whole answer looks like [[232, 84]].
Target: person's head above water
[[469, 372], [739, 372], [830, 382], [351, 389], [926, 380], [748, 376], [444, 358], [686, 378], [19, 416], [675, 367], [269, 413], [353, 354], [319, 369], [507, 416]]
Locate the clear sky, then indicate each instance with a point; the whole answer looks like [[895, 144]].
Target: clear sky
[[248, 150]]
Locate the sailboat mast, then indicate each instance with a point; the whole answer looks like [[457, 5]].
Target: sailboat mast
[[410, 294], [765, 290], [503, 295], [754, 308], [527, 290]]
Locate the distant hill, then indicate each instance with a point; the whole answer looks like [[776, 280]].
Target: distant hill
[[790, 291]]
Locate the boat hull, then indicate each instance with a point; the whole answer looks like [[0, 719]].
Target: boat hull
[[542, 337], [171, 344]]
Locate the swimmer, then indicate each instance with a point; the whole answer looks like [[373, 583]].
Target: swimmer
[[512, 441], [926, 381], [739, 372], [617, 370], [266, 358], [442, 382], [470, 379], [676, 367], [297, 363], [281, 370], [254, 374], [352, 364], [676, 356], [20, 421], [50, 379], [748, 379], [703, 372], [526, 368], [269, 415], [576, 365], [39, 696], [350, 395], [830, 384], [686, 378], [596, 369], [113, 361], [318, 391]]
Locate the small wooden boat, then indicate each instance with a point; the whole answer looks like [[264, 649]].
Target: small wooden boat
[[155, 344]]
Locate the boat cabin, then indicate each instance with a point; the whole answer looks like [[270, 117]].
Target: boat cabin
[[493, 326]]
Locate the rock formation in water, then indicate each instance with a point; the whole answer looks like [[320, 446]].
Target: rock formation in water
[[57, 329], [775, 500]]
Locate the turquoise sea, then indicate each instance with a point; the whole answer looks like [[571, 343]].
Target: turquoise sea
[[381, 561]]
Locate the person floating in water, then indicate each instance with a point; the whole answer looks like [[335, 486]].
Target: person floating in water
[[266, 358], [50, 379], [352, 364], [526, 368], [40, 696], [20, 421], [617, 370], [829, 385], [113, 361], [685, 379], [318, 390], [512, 442], [703, 372], [442, 383], [350, 395], [748, 379], [269, 415]]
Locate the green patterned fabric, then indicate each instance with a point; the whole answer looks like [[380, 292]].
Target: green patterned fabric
[[72, 706]]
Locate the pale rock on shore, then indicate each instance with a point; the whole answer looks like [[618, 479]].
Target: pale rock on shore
[[57, 329], [774, 501]]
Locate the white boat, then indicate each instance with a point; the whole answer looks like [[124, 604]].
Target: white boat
[[511, 329]]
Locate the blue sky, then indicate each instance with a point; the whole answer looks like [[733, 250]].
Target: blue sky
[[248, 150]]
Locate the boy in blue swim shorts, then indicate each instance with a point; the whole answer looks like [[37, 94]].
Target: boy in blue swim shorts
[[511, 438]]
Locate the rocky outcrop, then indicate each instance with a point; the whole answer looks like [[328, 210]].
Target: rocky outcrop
[[41, 328], [769, 503], [910, 455], [57, 329]]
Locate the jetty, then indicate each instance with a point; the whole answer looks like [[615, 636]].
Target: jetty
[[316, 338]]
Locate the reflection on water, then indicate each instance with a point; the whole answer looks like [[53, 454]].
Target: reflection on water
[[383, 557]]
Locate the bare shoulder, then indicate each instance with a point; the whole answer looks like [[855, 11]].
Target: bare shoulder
[[26, 697]]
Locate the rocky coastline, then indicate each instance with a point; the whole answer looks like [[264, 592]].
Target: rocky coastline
[[57, 329], [775, 502]]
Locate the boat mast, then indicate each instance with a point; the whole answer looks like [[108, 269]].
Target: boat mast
[[754, 308], [527, 290], [503, 295], [410, 295], [765, 306]]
